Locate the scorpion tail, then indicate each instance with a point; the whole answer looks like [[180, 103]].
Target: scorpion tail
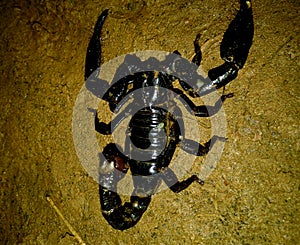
[[122, 217]]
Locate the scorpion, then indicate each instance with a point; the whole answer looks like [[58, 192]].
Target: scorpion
[[156, 129]]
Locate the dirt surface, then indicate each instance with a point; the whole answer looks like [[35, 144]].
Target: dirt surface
[[253, 195]]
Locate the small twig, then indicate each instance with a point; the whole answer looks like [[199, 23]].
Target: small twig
[[65, 221], [280, 48]]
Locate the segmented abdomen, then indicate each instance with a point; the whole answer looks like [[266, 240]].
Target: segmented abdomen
[[150, 132]]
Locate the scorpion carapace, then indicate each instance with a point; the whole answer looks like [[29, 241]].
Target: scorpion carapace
[[156, 128]]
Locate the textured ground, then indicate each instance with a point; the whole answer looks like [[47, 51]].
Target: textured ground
[[253, 195]]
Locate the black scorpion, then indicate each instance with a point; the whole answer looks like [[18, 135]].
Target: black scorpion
[[157, 129]]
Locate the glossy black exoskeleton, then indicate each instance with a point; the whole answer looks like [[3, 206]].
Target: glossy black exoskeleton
[[156, 129]]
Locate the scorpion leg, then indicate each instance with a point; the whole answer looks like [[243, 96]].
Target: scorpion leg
[[234, 49], [170, 178], [191, 147], [198, 54], [203, 110], [107, 129], [207, 111], [196, 60], [195, 148]]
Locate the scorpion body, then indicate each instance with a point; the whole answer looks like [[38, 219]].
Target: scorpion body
[[156, 128]]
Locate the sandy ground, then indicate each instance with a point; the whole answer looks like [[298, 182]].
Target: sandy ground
[[253, 195]]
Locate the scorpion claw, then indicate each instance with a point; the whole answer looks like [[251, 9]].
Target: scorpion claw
[[237, 40], [93, 55], [234, 49]]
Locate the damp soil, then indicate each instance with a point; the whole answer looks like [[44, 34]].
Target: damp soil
[[252, 197]]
